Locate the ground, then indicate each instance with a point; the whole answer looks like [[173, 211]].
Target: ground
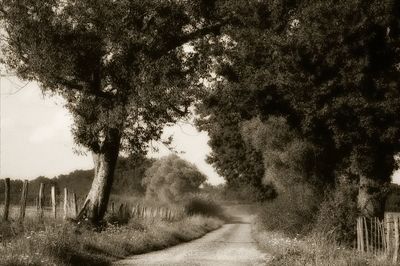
[[230, 245]]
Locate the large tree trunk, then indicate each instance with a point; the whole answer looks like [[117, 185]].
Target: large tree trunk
[[105, 161], [371, 197]]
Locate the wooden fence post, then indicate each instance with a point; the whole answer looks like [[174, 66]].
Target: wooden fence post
[[372, 244], [366, 234], [388, 230], [379, 240], [24, 195], [65, 203], [40, 201], [362, 234], [6, 199], [396, 239], [384, 245], [74, 205], [376, 235], [358, 234], [53, 201]]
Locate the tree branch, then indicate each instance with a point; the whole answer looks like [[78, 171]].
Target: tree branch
[[179, 111], [215, 29], [78, 87]]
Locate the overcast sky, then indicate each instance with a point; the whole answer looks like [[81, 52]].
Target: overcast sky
[[36, 138]]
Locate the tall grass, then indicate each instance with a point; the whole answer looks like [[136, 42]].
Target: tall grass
[[311, 250], [296, 230], [71, 244], [293, 212]]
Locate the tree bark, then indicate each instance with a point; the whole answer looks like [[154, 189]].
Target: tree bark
[[371, 197], [95, 205]]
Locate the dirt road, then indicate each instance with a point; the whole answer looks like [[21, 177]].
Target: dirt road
[[230, 245]]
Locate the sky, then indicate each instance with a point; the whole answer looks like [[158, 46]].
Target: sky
[[36, 139]]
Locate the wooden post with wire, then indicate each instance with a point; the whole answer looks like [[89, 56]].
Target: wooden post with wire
[[53, 202], [24, 195], [65, 203], [40, 201], [6, 199]]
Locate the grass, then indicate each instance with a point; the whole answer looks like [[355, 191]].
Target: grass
[[70, 244], [286, 233], [311, 250]]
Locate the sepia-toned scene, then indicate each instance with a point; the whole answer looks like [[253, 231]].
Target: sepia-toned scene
[[200, 132]]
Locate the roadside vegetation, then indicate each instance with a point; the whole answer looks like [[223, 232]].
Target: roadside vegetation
[[290, 244], [71, 244], [296, 232], [300, 100], [47, 241]]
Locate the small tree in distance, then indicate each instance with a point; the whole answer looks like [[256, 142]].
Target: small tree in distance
[[170, 178]]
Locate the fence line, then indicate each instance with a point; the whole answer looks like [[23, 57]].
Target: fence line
[[69, 206], [379, 237]]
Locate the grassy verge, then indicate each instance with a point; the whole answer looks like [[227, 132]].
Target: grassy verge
[[66, 244], [311, 249]]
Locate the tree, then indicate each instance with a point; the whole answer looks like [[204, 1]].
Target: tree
[[288, 160], [170, 178], [331, 69], [120, 65], [238, 162], [129, 174]]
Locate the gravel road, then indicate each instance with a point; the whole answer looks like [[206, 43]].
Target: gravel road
[[230, 245]]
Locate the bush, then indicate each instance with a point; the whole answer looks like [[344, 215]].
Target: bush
[[170, 178], [198, 205], [292, 212], [338, 213]]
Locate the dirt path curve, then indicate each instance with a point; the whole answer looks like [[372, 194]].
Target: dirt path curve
[[230, 245]]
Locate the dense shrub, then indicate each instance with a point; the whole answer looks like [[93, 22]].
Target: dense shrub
[[170, 178], [288, 159], [292, 213], [393, 199], [338, 213], [198, 205]]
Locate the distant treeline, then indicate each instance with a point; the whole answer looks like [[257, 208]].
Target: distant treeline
[[128, 181]]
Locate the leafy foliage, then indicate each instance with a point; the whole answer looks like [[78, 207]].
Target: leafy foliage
[[393, 199], [330, 68], [292, 213], [338, 214], [238, 162], [119, 64], [288, 159], [170, 178], [200, 205]]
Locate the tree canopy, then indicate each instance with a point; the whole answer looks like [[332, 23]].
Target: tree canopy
[[331, 69], [236, 160], [119, 64], [125, 68], [171, 178]]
